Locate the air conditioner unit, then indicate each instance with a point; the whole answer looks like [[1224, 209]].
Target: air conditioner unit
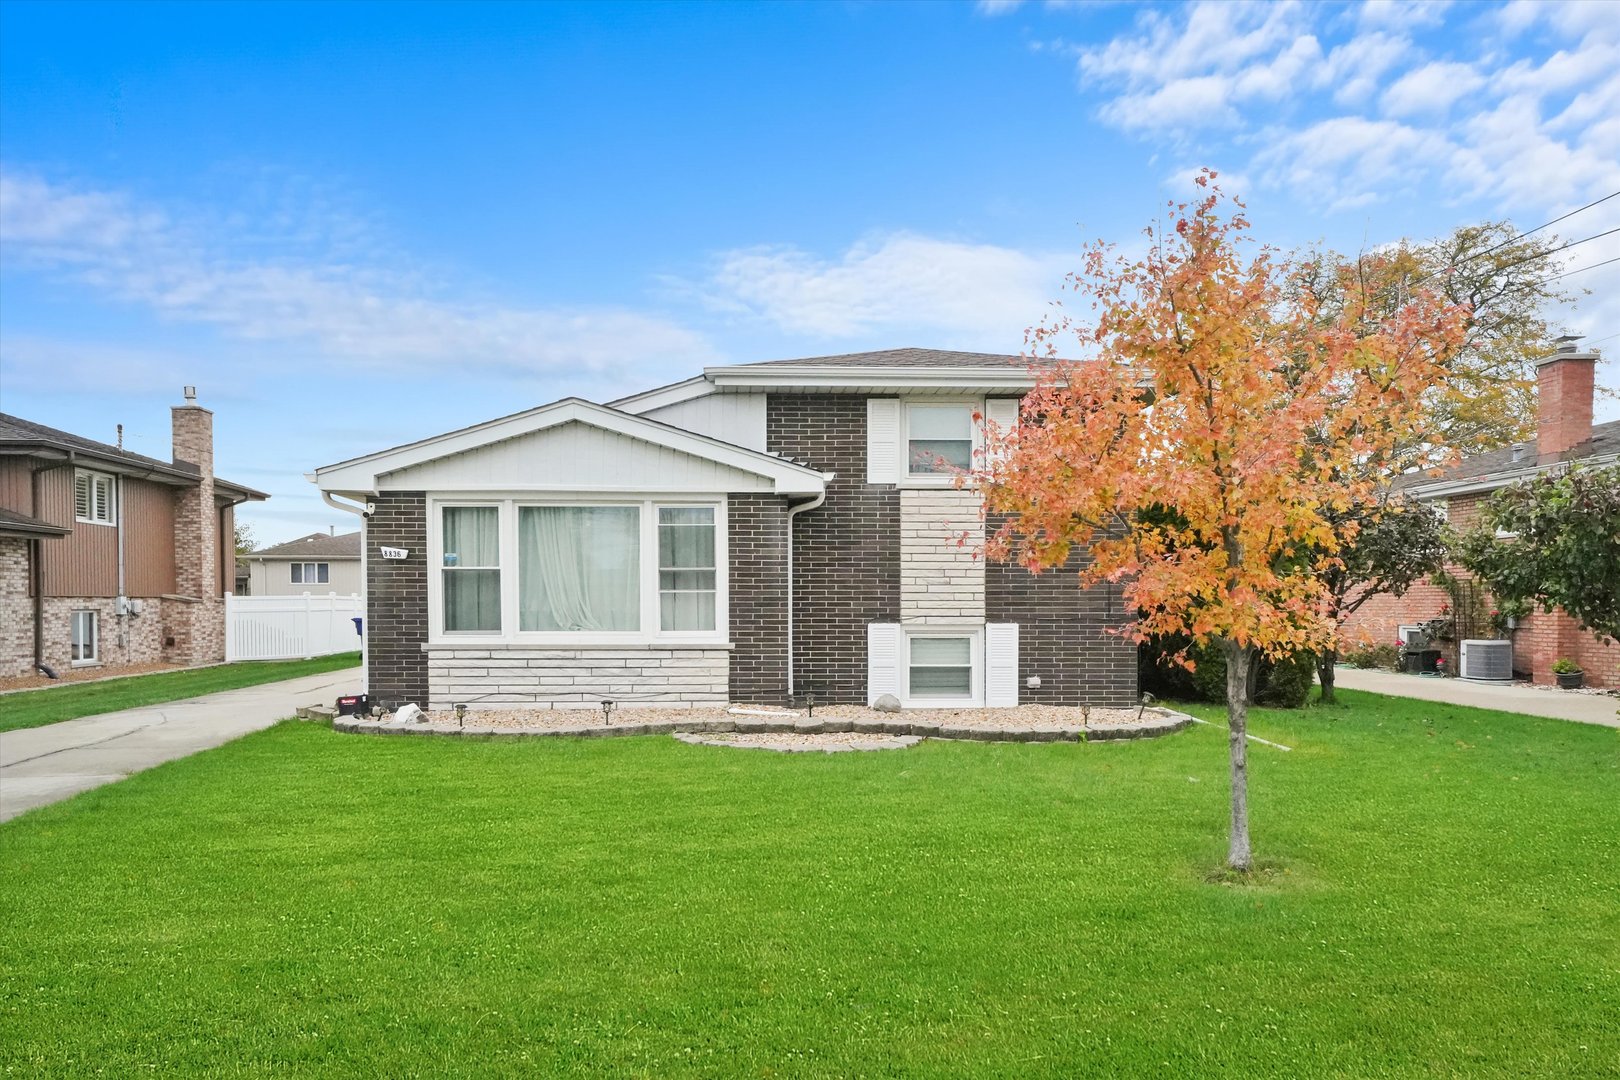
[[1487, 660]]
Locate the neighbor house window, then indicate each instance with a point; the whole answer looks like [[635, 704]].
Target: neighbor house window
[[940, 667], [86, 629], [579, 568], [95, 498], [311, 573], [686, 573], [471, 571], [939, 438]]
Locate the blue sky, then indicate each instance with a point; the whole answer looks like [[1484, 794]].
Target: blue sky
[[355, 225]]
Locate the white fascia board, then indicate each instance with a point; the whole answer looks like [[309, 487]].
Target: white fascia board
[[658, 397], [358, 477], [1009, 377], [1441, 489]]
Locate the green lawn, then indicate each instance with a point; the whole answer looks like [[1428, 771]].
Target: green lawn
[[306, 903], [32, 708]]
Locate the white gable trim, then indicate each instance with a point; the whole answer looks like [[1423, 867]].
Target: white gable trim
[[360, 474], [894, 380], [658, 397]]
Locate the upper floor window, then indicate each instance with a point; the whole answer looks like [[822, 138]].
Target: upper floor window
[[95, 498], [939, 438], [311, 573]]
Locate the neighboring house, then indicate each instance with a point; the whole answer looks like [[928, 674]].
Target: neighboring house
[[1565, 383], [110, 558], [759, 533], [318, 563]]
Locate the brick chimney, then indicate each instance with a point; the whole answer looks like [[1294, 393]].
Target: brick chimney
[[1564, 383], [195, 624]]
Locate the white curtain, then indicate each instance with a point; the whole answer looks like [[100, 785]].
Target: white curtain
[[579, 568], [472, 576]]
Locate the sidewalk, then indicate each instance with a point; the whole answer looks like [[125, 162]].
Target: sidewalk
[[1584, 708], [46, 764]]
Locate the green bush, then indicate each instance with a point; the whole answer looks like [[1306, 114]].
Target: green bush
[[1286, 684], [1381, 657]]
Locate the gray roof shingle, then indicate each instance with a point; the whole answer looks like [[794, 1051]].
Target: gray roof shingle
[[315, 545], [1605, 440], [903, 358], [15, 431]]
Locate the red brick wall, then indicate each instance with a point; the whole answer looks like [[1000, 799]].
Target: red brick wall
[[1539, 640]]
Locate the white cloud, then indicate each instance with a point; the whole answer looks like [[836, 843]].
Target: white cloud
[[972, 292], [366, 313], [1431, 89], [1353, 70], [1345, 161], [1400, 14]]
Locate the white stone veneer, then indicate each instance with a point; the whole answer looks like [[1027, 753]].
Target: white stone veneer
[[492, 677], [940, 582]]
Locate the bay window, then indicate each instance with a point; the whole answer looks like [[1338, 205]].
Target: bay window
[[619, 570]]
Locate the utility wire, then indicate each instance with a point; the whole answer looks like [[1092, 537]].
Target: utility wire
[[1582, 269], [1530, 258], [1516, 239]]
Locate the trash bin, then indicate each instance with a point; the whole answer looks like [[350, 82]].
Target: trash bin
[[358, 620]]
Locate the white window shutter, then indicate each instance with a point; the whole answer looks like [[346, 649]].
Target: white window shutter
[[1001, 665], [883, 644], [1003, 412], [882, 440]]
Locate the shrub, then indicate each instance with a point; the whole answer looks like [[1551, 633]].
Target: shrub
[[1286, 683], [1385, 657], [1565, 666]]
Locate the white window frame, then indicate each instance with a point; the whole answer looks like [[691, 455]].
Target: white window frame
[[975, 434], [648, 635], [95, 480], [323, 573], [714, 524], [975, 635], [94, 619]]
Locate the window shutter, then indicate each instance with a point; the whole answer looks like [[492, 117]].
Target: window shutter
[[882, 440], [1003, 412], [883, 641], [1001, 664], [81, 496], [104, 498]]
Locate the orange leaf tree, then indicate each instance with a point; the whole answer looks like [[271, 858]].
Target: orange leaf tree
[[1202, 444]]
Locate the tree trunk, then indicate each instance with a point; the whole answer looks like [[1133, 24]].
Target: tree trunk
[[1238, 659], [1326, 664]]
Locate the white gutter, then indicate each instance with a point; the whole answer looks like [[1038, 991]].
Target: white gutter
[[1439, 489], [793, 512], [365, 592]]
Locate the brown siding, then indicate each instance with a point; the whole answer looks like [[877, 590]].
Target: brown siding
[[84, 563], [15, 493], [227, 549], [148, 521]]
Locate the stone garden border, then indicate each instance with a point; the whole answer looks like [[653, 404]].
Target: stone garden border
[[1155, 722]]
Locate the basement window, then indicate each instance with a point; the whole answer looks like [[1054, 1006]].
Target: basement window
[[86, 638]]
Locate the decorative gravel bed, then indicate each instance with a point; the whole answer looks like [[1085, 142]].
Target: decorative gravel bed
[[784, 742], [1025, 723]]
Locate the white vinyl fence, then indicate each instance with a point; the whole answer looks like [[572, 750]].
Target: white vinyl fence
[[290, 627]]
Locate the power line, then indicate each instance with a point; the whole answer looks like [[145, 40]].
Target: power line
[[1582, 269], [1532, 258], [1516, 239]]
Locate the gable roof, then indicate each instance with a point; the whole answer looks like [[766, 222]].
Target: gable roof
[[358, 476], [1497, 468], [17, 434], [899, 358], [315, 545]]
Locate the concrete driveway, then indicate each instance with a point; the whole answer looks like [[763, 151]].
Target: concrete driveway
[[46, 764], [1583, 708]]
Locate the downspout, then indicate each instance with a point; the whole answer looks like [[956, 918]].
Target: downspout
[[365, 591], [793, 512]]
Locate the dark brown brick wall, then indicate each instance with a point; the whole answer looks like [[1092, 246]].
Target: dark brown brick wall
[[759, 620], [846, 553], [1061, 634], [396, 598]]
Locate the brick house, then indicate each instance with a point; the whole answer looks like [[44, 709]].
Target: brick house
[[109, 558], [757, 533], [1565, 382]]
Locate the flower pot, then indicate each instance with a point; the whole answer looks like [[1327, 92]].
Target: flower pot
[[1569, 680]]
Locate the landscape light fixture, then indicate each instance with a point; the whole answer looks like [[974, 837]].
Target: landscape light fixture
[[607, 710], [461, 714]]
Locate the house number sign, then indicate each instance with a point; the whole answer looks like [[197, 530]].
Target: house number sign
[[395, 553]]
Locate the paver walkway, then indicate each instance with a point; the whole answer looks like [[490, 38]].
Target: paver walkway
[[46, 764], [1585, 708]]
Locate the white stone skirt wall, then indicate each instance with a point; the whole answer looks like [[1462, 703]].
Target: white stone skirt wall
[[495, 677]]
